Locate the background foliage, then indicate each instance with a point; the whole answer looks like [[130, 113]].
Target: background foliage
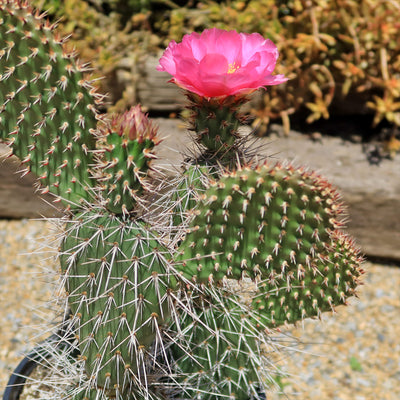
[[342, 56]]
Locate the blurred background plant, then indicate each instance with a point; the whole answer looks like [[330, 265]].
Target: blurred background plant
[[342, 56]]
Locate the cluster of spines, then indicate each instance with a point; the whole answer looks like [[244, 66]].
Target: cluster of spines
[[217, 351], [186, 193], [48, 109]]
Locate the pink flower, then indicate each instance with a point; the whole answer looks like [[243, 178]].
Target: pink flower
[[218, 63]]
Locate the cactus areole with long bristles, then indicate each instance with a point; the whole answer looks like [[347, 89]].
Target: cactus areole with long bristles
[[153, 274]]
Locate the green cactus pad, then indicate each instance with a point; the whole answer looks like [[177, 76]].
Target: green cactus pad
[[47, 106], [275, 225], [308, 292], [219, 355], [257, 222], [119, 282]]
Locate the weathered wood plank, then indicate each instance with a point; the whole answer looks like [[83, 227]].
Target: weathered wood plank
[[17, 195], [153, 90]]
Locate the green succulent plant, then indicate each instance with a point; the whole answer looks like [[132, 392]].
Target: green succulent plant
[[43, 94], [278, 226], [153, 312], [119, 283]]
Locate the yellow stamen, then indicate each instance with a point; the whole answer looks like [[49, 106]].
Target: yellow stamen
[[233, 67]]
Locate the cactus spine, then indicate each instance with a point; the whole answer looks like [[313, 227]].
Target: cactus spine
[[152, 305]]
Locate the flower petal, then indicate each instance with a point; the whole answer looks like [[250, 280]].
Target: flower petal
[[214, 64], [167, 61]]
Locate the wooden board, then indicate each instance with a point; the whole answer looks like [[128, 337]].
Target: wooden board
[[17, 195]]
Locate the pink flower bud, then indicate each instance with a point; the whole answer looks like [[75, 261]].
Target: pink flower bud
[[134, 125]]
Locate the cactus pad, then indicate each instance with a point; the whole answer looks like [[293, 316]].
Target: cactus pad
[[47, 106], [308, 292], [118, 280], [278, 226]]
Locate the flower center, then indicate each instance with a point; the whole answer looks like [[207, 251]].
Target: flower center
[[232, 67]]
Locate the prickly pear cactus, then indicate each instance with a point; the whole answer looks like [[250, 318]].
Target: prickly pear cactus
[[47, 103], [278, 226], [149, 282]]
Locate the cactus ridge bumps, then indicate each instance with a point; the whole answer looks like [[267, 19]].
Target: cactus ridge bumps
[[123, 171], [307, 292], [216, 122]]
